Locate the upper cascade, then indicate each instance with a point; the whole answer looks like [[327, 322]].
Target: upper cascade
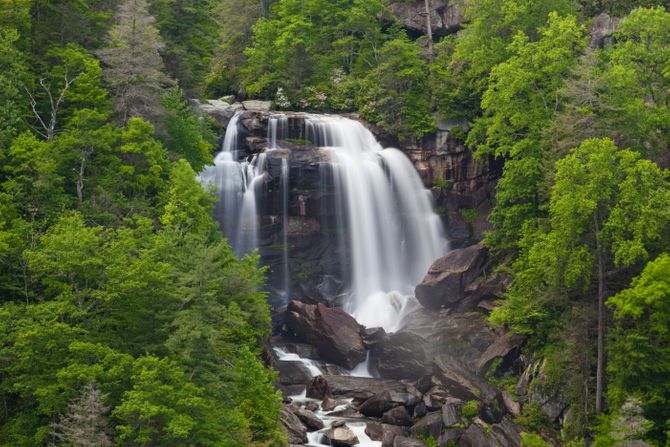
[[387, 232]]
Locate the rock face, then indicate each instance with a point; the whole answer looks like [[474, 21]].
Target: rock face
[[334, 332], [446, 16], [447, 279]]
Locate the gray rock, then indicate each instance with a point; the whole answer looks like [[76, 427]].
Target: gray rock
[[377, 405], [429, 425], [341, 436], [449, 437], [450, 415], [318, 388], [445, 283], [259, 106], [308, 418], [333, 331], [402, 441], [397, 416], [361, 388], [297, 432]]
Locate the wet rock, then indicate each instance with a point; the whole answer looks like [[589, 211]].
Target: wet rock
[[291, 373], [329, 404], [318, 388], [429, 425], [341, 436], [444, 284], [361, 388], [373, 336], [311, 406], [475, 436], [334, 332], [397, 416], [349, 412], [402, 441], [297, 432], [308, 418]]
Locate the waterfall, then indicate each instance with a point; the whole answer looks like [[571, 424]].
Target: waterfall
[[388, 232], [236, 183], [393, 233]]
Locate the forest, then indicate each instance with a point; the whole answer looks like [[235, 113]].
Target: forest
[[127, 319]]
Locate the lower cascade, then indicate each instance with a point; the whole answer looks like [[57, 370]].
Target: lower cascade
[[387, 233]]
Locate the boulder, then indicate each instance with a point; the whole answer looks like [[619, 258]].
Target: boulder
[[505, 347], [291, 373], [429, 425], [449, 437], [361, 388], [461, 382], [450, 415], [333, 331], [445, 283], [409, 353], [397, 416], [297, 432], [384, 432], [329, 404], [402, 441], [373, 336], [258, 106], [308, 418], [318, 388], [475, 436], [341, 436], [377, 405]]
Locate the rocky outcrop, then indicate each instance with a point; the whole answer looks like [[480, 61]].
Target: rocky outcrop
[[603, 27], [446, 16], [409, 353], [447, 279], [307, 417], [333, 331]]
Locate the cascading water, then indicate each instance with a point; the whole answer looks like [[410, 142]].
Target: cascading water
[[388, 231], [393, 233], [236, 183]]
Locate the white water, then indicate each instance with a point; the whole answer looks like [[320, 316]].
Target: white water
[[393, 233], [390, 230], [315, 438], [236, 183], [292, 357]]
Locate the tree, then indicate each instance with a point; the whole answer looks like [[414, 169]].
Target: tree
[[522, 98], [607, 211], [640, 344], [463, 65], [86, 423], [133, 67], [187, 135]]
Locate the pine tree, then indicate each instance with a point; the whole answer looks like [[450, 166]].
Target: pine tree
[[133, 64], [86, 423]]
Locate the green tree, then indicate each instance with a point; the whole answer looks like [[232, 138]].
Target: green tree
[[640, 340], [607, 211], [523, 96], [187, 135]]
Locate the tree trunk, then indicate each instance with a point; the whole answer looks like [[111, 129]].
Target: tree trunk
[[429, 29], [600, 368]]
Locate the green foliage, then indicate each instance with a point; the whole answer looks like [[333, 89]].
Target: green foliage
[[188, 136], [533, 418], [533, 440], [640, 341], [470, 409]]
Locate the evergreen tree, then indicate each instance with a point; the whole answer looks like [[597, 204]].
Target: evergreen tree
[[86, 423]]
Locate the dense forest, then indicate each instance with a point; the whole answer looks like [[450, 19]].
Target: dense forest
[[126, 319]]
